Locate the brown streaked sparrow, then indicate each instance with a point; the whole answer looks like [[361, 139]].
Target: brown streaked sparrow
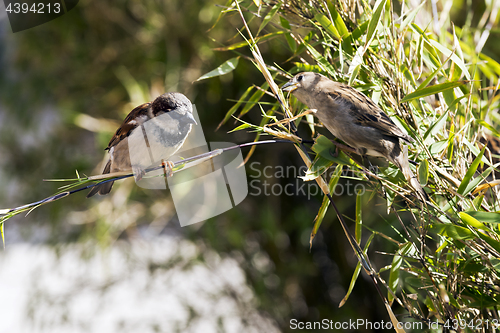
[[355, 119], [154, 130]]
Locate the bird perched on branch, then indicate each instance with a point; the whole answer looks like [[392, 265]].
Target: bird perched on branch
[[355, 119], [151, 131]]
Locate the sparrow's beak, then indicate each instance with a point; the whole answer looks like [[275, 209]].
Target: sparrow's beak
[[290, 86], [190, 118]]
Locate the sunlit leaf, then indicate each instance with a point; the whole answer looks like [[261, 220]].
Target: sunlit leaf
[[486, 217], [328, 26], [431, 90], [470, 172], [467, 219], [223, 69], [245, 43], [269, 17], [375, 19], [453, 231]]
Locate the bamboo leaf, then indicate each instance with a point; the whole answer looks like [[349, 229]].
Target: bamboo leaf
[[356, 272], [254, 99], [269, 16], [321, 60], [239, 128], [470, 172], [423, 172], [410, 16], [397, 261], [469, 220], [486, 217], [431, 90], [223, 69], [452, 231], [245, 43], [327, 25], [337, 19], [235, 107], [289, 39], [374, 21], [326, 202], [359, 217], [437, 127], [324, 147], [319, 166], [447, 53]]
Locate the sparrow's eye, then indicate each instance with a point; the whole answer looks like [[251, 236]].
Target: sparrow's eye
[[299, 78]]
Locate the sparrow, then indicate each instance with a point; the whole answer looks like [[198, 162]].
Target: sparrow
[[355, 119], [154, 129]]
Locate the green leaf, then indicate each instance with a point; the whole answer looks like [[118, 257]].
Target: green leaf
[[437, 147], [374, 21], [235, 107], [324, 147], [397, 261], [223, 69], [327, 25], [410, 16], [319, 166], [423, 172], [3, 235], [245, 43], [453, 231], [337, 19], [359, 217], [326, 202], [321, 60], [470, 172], [447, 53], [469, 220], [356, 272], [489, 127], [289, 39], [431, 90], [486, 217], [254, 99], [269, 17], [241, 127], [435, 128], [301, 67]]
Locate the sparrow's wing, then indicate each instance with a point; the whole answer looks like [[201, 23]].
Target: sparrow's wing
[[135, 118], [366, 113]]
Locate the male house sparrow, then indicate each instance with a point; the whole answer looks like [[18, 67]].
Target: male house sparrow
[[157, 128], [355, 119]]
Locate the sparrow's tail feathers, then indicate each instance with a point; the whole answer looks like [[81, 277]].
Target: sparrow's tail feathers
[[402, 163], [103, 188]]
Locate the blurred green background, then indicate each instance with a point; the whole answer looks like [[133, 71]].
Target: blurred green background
[[102, 59]]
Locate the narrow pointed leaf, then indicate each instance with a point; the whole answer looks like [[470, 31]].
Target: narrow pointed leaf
[[245, 43], [328, 26], [223, 69], [470, 172], [326, 202], [269, 17], [374, 21], [235, 107], [431, 90]]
